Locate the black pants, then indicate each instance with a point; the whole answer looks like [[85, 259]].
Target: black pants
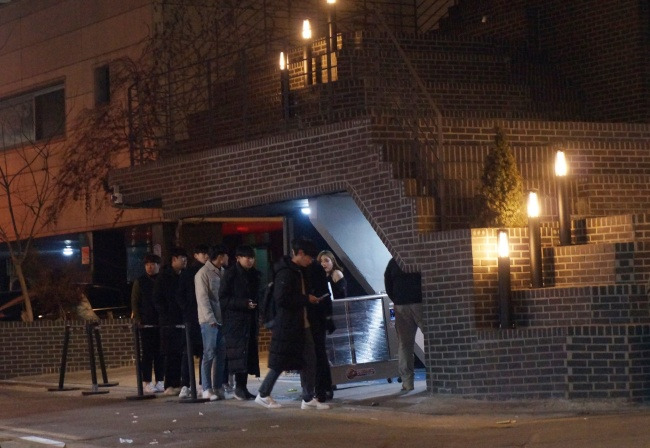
[[173, 340], [323, 372], [241, 380], [197, 350], [151, 356]]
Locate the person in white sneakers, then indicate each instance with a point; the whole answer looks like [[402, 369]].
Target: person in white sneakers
[[144, 313], [292, 346], [206, 284]]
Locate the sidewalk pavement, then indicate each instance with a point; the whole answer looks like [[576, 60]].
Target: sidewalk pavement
[[379, 394]]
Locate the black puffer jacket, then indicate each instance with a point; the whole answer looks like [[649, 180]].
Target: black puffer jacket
[[186, 300], [317, 313], [169, 313], [238, 286], [288, 334]]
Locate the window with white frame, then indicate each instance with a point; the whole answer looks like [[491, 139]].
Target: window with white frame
[[34, 116]]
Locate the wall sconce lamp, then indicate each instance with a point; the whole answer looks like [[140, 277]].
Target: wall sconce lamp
[[284, 84], [331, 45], [534, 242], [331, 22], [503, 274], [306, 35], [563, 205]]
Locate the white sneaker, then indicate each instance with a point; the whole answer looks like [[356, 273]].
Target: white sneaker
[[172, 391], [159, 386], [185, 392], [267, 402], [314, 404], [209, 395], [150, 388]]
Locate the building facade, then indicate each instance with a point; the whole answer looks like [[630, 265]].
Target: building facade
[[399, 115]]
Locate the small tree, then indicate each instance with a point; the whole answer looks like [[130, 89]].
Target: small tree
[[25, 191], [501, 199]]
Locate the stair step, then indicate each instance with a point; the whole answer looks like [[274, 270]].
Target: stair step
[[425, 219], [589, 264]]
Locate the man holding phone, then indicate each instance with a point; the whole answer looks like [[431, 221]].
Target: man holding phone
[[292, 344], [238, 299]]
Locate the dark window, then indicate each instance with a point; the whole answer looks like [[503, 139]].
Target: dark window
[[32, 116], [50, 114], [102, 85]]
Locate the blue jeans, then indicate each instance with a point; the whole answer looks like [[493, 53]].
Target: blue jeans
[[214, 357]]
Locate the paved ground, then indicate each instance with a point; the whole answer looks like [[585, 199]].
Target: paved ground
[[370, 414]]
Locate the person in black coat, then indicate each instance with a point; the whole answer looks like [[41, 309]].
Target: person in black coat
[[238, 297], [292, 346], [144, 313], [169, 315], [186, 298], [320, 322]]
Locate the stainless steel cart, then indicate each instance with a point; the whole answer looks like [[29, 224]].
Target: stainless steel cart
[[364, 345]]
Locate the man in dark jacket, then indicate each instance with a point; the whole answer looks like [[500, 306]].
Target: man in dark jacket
[[144, 313], [170, 315], [405, 290], [186, 298], [238, 294], [292, 346]]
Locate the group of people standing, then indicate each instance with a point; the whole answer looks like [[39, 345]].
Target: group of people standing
[[218, 304]]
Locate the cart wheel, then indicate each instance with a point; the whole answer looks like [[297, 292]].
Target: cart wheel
[[390, 380], [399, 379]]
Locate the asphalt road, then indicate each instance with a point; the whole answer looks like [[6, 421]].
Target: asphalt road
[[374, 415]]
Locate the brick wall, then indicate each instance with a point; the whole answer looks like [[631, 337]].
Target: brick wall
[[597, 46], [522, 363], [603, 305], [608, 362], [36, 348]]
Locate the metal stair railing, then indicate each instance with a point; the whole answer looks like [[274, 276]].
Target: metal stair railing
[[422, 143], [430, 12]]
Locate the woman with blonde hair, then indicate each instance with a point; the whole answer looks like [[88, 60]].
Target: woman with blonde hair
[[334, 272]]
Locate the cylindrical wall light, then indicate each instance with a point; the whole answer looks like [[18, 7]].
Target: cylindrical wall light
[[534, 241], [306, 35], [331, 22], [503, 274], [331, 36], [563, 204], [284, 84]]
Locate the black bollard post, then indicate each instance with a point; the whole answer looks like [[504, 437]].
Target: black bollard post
[[100, 353], [93, 370], [138, 372], [190, 362], [64, 361]]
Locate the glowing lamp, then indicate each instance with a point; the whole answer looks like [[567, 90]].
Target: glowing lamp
[[561, 167], [306, 29], [533, 205]]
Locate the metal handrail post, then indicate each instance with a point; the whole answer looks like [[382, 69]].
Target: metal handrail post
[[190, 364], [64, 362], [137, 348], [93, 368], [100, 354]]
